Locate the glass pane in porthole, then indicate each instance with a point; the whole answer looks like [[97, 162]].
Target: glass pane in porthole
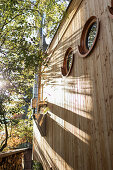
[[69, 60], [91, 35]]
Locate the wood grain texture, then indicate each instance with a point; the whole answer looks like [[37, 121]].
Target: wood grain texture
[[79, 134]]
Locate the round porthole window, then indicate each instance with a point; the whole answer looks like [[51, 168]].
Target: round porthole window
[[67, 63], [89, 36], [111, 9]]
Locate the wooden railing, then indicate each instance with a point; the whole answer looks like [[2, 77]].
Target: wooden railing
[[18, 159], [40, 120]]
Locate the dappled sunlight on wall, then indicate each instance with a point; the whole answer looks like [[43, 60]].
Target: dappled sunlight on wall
[[79, 121], [47, 155], [84, 137], [73, 94]]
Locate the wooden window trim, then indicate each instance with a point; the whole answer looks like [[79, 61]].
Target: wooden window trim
[[110, 9], [82, 49], [64, 68]]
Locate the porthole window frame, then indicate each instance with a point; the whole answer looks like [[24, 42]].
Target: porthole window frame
[[83, 51], [110, 9], [63, 69]]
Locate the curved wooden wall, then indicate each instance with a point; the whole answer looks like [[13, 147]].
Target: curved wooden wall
[[79, 134]]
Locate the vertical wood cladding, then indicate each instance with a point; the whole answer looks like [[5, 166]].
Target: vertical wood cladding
[[79, 134]]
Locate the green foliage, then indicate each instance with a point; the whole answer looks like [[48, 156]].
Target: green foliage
[[20, 28], [24, 130], [11, 113], [37, 165], [21, 22]]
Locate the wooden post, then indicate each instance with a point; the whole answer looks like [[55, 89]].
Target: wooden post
[[28, 159]]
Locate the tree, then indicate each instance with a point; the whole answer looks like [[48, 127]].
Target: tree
[[21, 22], [21, 134], [17, 130], [20, 52]]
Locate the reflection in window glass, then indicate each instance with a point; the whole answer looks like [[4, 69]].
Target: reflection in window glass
[[69, 60], [91, 35]]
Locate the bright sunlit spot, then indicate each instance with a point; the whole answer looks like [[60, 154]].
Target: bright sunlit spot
[[1, 84]]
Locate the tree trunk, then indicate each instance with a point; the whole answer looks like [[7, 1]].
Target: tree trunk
[[6, 134]]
